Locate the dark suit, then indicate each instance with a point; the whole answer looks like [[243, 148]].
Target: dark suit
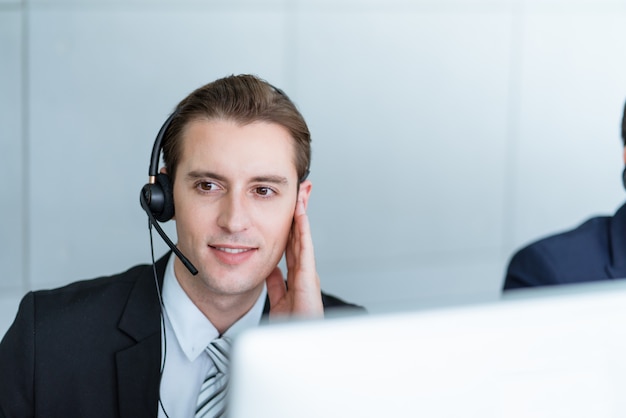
[[596, 250], [90, 349]]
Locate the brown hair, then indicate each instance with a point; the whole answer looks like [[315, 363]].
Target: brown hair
[[244, 99]]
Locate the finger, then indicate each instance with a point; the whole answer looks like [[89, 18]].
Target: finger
[[303, 242], [276, 288], [290, 253]]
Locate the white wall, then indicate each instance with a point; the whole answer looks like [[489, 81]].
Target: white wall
[[446, 133]]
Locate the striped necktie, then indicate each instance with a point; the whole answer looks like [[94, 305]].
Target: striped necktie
[[211, 400]]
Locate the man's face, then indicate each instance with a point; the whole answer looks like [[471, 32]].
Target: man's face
[[235, 194]]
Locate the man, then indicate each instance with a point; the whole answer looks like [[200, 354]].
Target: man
[[236, 155], [596, 250]]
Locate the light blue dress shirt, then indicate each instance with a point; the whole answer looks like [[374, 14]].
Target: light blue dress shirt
[[185, 334]]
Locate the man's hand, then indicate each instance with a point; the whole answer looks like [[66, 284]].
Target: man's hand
[[301, 295]]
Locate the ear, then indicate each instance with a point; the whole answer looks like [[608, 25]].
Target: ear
[[304, 192], [625, 155], [163, 170]]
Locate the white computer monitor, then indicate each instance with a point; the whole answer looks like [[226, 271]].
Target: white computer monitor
[[541, 353]]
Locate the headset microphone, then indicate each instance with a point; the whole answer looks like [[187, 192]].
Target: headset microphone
[[144, 204], [157, 197]]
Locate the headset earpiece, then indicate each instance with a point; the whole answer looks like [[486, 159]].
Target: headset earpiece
[[159, 198]]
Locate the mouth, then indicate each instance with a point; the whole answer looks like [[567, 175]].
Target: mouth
[[232, 255], [231, 250]]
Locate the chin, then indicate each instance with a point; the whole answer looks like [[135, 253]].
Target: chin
[[232, 285]]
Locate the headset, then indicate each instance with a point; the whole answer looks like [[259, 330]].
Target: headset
[[157, 197]]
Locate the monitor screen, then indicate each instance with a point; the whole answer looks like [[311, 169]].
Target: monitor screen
[[540, 353]]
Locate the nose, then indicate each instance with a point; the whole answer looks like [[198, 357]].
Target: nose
[[234, 213]]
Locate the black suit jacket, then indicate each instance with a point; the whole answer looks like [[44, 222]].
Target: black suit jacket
[[596, 250], [89, 349]]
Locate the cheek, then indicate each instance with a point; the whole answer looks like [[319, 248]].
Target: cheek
[[189, 216], [278, 224]]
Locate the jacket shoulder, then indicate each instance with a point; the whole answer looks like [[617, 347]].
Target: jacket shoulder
[[336, 305], [591, 236], [576, 255]]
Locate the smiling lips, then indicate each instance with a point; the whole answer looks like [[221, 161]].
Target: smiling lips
[[232, 256], [232, 250]]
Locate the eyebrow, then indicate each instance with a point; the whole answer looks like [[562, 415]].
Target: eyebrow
[[270, 178]]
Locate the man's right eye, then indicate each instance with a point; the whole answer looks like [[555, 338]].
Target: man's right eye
[[207, 186]]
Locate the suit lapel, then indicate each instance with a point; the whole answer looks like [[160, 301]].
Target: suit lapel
[[138, 365], [138, 378], [617, 263]]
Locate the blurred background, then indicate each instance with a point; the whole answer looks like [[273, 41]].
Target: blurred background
[[446, 133]]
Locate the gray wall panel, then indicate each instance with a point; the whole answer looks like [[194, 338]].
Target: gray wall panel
[[11, 161], [570, 154], [407, 166], [240, 5]]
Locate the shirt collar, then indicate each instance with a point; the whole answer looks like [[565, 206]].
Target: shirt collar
[[193, 330]]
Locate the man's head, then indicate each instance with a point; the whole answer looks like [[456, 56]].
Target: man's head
[[242, 99], [236, 151]]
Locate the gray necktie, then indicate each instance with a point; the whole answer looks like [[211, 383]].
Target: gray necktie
[[211, 400]]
